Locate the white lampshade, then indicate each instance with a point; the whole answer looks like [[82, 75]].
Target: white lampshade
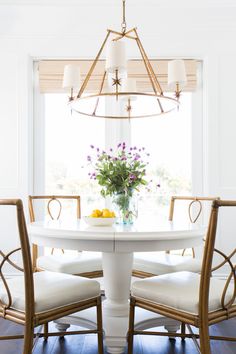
[[71, 78], [176, 73], [116, 57], [129, 85]]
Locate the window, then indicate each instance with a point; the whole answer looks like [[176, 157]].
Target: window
[[168, 140], [62, 142], [67, 141]]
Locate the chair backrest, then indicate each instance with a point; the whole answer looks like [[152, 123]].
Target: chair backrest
[[207, 268], [193, 202], [26, 260], [50, 199]]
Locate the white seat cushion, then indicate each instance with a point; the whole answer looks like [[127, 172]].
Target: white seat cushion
[[180, 291], [158, 263], [52, 290], [82, 263]]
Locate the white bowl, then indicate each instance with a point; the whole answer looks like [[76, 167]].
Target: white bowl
[[99, 221]]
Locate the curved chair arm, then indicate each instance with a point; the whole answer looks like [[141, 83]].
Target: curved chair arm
[[232, 275], [4, 260]]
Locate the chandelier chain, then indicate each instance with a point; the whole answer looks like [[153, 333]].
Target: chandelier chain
[[123, 24]]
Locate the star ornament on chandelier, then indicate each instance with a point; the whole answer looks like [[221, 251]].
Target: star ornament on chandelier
[[116, 83], [128, 108]]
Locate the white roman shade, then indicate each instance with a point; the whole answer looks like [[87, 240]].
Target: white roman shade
[[51, 74]]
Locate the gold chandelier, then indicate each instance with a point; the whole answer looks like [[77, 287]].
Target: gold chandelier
[[116, 85]]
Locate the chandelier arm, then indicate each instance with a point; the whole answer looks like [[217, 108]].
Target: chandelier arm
[[121, 33], [93, 66], [117, 38], [122, 36], [125, 34], [100, 91], [116, 32], [160, 105], [147, 68], [145, 60], [149, 64], [131, 30], [151, 73], [130, 37]]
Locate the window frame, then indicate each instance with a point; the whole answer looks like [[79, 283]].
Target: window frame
[[116, 131]]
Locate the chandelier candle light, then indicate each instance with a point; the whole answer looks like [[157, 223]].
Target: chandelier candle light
[[116, 83]]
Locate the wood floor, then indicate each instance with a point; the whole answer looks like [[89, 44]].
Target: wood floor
[[143, 345]]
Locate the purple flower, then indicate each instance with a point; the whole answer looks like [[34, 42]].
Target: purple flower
[[137, 157], [158, 185], [119, 145], [92, 146], [134, 148], [97, 149], [131, 149], [132, 177], [111, 149], [89, 158]]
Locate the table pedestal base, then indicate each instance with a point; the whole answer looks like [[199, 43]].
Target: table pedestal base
[[117, 271], [115, 328]]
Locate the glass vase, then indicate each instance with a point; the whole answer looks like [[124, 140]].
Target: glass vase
[[126, 207]]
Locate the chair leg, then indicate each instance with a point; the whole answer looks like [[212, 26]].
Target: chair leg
[[99, 326], [204, 339], [45, 331], [183, 329], [28, 338], [131, 326]]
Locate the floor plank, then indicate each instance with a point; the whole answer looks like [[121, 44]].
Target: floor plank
[[87, 344]]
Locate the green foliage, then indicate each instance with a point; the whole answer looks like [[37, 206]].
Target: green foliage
[[122, 171]]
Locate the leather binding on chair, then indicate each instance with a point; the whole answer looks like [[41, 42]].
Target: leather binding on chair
[[194, 299], [87, 264], [34, 299], [156, 263]]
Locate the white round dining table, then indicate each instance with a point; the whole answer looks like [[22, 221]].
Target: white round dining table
[[117, 244]]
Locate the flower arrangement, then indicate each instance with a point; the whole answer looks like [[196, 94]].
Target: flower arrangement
[[120, 173]]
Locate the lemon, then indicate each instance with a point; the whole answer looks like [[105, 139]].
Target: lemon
[[96, 213], [106, 213]]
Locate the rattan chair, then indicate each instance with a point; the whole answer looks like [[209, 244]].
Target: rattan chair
[[87, 264], [156, 263], [194, 299], [34, 299]]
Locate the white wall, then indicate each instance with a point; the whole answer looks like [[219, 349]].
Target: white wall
[[168, 28]]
